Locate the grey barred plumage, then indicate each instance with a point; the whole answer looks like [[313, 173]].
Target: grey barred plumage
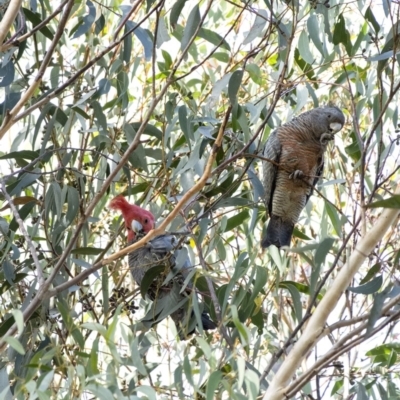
[[298, 147], [169, 286], [166, 288]]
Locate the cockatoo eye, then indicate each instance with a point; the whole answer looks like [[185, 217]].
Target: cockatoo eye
[[146, 220], [136, 226]]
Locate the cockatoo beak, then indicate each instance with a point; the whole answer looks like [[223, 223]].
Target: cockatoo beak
[[136, 226], [335, 126]]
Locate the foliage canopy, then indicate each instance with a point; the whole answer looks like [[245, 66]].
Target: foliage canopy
[[169, 103]]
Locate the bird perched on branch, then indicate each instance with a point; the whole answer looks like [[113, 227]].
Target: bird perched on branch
[[163, 270], [294, 161]]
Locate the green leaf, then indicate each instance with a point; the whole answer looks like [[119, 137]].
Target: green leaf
[[35, 19], [15, 344], [305, 289], [234, 85], [8, 270], [391, 202], [255, 73], [223, 57], [304, 48], [213, 382], [242, 329], [26, 180], [353, 150], [382, 56], [88, 251], [100, 117], [86, 22], [150, 130], [176, 12], [361, 392], [323, 250], [236, 220], [7, 285], [92, 367], [73, 204], [165, 306], [259, 282], [369, 16], [137, 357], [187, 369], [191, 26], [99, 24], [368, 288], [138, 158], [257, 28], [105, 290], [127, 49], [99, 391], [334, 217], [94, 326], [144, 38], [376, 310], [24, 211], [258, 320], [168, 59], [214, 38], [241, 267], [314, 30], [371, 273], [339, 33], [305, 67], [300, 234], [296, 298], [149, 277], [342, 35], [139, 188], [6, 325], [386, 348], [112, 328], [184, 123], [23, 154]]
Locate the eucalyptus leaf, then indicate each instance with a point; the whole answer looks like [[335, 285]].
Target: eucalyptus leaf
[[191, 26]]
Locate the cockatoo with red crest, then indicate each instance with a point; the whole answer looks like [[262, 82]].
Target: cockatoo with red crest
[[168, 284]]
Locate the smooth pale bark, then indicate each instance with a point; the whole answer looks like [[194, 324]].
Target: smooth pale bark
[[8, 18], [315, 326]]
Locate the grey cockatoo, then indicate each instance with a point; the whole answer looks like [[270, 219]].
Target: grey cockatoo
[[169, 284], [298, 148]]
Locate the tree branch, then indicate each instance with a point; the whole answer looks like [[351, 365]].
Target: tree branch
[[8, 18], [10, 116], [315, 326]]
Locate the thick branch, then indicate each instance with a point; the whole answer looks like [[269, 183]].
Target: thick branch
[[344, 345], [315, 327], [9, 17]]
